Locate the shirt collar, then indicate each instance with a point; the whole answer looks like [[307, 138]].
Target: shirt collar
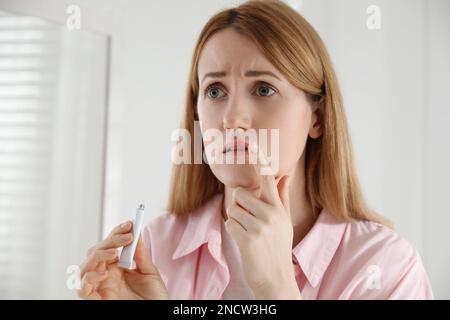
[[318, 247], [203, 226], [313, 253]]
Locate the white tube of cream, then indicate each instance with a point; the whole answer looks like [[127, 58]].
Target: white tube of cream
[[126, 257]]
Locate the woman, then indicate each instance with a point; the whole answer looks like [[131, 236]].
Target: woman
[[302, 232]]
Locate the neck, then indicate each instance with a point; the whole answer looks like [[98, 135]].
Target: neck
[[302, 217]]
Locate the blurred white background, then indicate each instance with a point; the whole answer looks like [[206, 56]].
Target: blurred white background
[[394, 79]]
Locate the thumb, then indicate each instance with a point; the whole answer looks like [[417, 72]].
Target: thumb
[[283, 191], [142, 258]]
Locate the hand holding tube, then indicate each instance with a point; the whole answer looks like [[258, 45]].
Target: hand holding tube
[[102, 278]]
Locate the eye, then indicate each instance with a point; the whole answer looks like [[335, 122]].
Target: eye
[[214, 92], [265, 91]]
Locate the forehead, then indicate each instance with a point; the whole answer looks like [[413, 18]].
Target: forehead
[[228, 50]]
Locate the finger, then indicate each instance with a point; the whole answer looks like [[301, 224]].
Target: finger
[[249, 202], [120, 229], [116, 241], [235, 229], [267, 184], [88, 284], [93, 277], [97, 257], [112, 242], [101, 266], [97, 262], [86, 291], [283, 190], [243, 217], [143, 261]]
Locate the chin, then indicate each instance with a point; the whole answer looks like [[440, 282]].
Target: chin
[[234, 176]]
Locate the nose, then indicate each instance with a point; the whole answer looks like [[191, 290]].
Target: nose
[[236, 116]]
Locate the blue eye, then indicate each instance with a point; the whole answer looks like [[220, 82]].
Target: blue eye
[[265, 92], [213, 92]]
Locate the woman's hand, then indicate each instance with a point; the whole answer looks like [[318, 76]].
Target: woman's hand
[[101, 278], [263, 231]]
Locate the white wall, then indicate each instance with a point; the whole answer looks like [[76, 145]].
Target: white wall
[[393, 79], [437, 147]]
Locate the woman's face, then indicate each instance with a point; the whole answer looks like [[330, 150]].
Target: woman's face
[[242, 99]]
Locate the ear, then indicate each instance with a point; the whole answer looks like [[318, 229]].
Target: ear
[[315, 130]]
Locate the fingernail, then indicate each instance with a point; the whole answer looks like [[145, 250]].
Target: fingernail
[[113, 250], [123, 225], [102, 273]]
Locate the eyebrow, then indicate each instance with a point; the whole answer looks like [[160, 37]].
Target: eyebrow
[[251, 73]]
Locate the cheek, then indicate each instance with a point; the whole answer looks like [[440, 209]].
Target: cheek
[[295, 123], [209, 117], [210, 133], [294, 128]]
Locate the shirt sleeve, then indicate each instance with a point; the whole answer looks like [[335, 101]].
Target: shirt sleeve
[[414, 284], [393, 271], [385, 266]]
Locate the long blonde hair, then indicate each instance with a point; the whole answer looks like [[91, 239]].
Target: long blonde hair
[[292, 45]]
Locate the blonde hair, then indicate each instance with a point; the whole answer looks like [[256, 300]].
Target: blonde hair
[[292, 45]]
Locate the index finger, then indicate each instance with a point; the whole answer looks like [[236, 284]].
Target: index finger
[[269, 190], [121, 228]]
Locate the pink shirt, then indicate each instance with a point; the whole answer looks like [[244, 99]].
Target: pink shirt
[[237, 288], [335, 260]]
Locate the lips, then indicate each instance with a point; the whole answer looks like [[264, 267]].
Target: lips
[[236, 145]]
